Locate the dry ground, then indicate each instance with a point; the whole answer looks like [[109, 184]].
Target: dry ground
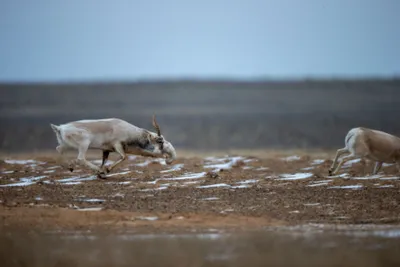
[[236, 191]]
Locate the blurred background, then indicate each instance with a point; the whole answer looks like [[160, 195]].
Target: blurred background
[[220, 74]]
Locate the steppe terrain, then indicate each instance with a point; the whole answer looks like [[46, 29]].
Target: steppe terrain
[[250, 185]]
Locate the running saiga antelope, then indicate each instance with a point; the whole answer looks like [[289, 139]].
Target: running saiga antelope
[[369, 144], [110, 135]]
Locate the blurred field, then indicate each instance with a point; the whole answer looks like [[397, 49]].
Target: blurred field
[[285, 134], [203, 115], [259, 248]]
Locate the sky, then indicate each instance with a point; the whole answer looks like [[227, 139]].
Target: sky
[[88, 40]]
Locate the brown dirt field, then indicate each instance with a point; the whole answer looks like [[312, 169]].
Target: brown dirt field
[[250, 195]]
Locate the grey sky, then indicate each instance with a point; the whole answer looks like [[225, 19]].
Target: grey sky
[[121, 39]]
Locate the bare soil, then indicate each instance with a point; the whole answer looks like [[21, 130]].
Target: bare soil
[[252, 194]]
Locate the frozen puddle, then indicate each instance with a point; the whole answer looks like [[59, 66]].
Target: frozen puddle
[[296, 176], [25, 181]]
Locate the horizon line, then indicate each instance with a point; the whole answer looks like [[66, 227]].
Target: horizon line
[[206, 79]]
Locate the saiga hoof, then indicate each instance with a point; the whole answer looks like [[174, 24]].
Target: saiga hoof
[[101, 175]]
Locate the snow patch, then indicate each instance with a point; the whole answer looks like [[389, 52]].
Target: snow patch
[[23, 162], [296, 176], [240, 186], [250, 181], [385, 186], [291, 158], [25, 181], [90, 200], [367, 177], [319, 184], [146, 218], [192, 182], [311, 204], [176, 167], [228, 165], [358, 186], [387, 164], [121, 183], [210, 198], [389, 178], [187, 176], [343, 175], [317, 161], [53, 167], [99, 161], [351, 162], [214, 185], [151, 189], [76, 179], [223, 185], [118, 173], [147, 162], [90, 209]]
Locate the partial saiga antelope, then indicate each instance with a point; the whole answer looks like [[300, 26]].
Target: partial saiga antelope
[[368, 144]]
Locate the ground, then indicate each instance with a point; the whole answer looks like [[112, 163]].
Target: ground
[[234, 190]]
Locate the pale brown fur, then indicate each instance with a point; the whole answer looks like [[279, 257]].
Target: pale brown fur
[[369, 144], [111, 135]]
